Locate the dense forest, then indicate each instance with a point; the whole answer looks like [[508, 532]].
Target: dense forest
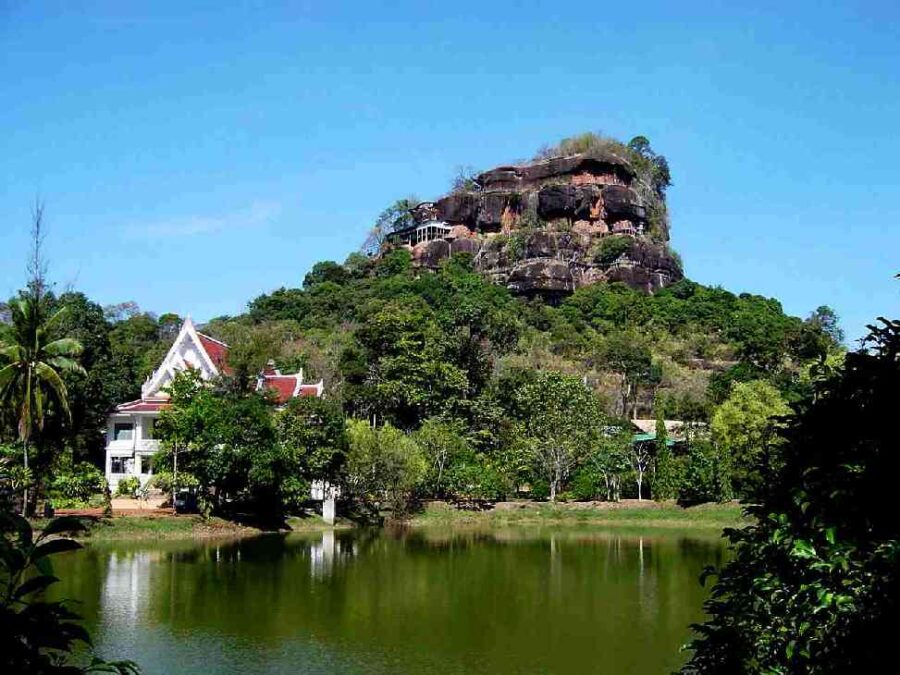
[[497, 393]]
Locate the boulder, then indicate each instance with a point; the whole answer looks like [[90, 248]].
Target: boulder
[[492, 207], [465, 245], [588, 203], [556, 201], [540, 244], [541, 276], [622, 203], [459, 207], [460, 232], [431, 253], [424, 212], [601, 163]]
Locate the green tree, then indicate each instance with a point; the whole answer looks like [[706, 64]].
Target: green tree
[[444, 447], [562, 419], [745, 429], [627, 354], [706, 477], [314, 431], [665, 483], [411, 373], [93, 393], [327, 270], [814, 584], [226, 442], [384, 466], [609, 457], [32, 360]]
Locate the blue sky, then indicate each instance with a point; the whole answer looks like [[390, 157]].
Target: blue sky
[[193, 158]]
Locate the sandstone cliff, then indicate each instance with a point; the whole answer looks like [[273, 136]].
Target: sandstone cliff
[[551, 226]]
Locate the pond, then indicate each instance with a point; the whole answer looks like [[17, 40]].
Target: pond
[[510, 601]]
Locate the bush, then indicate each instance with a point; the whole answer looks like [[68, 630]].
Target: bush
[[76, 487], [163, 481], [476, 479], [705, 477], [587, 484], [384, 466], [611, 248], [128, 487]]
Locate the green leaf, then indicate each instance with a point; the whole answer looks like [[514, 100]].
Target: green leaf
[[64, 524], [55, 546], [803, 549], [34, 585]]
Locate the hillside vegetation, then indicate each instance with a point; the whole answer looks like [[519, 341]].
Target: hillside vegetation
[[442, 384]]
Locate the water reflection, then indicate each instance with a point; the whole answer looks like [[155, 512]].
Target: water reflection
[[398, 602]]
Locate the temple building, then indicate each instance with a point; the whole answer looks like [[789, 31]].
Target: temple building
[[130, 440]]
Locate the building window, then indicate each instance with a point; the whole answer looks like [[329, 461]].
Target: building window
[[117, 465], [123, 431], [146, 464], [150, 428]]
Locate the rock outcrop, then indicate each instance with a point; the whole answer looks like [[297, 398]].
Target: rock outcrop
[[550, 226]]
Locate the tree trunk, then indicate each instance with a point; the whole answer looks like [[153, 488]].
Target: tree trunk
[[26, 506], [640, 478]]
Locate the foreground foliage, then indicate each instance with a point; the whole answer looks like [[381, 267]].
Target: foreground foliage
[[38, 635], [814, 586]]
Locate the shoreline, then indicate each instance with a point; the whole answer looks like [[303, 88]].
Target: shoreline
[[629, 514]]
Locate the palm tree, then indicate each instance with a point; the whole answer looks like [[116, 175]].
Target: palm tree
[[31, 363]]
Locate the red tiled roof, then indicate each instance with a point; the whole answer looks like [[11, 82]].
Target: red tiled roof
[[282, 386], [143, 405], [217, 352], [308, 390]]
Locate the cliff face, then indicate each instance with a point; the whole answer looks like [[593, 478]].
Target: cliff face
[[550, 227]]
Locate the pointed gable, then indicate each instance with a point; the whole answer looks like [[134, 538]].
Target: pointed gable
[[216, 351], [190, 350]]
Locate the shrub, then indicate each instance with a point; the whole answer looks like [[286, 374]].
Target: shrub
[[586, 485], [128, 487], [163, 481], [476, 479], [611, 248], [77, 485], [516, 246], [706, 476]]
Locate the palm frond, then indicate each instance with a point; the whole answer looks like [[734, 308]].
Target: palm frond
[[12, 352], [65, 365], [7, 376], [63, 347], [47, 327], [52, 379]]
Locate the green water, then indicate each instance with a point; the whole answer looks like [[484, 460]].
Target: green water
[[562, 601]]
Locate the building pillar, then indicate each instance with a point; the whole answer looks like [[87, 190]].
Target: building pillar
[[328, 505]]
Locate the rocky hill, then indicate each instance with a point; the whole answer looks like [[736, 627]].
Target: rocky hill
[[551, 226]]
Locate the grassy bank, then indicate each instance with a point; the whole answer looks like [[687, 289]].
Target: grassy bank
[[631, 514], [168, 527]]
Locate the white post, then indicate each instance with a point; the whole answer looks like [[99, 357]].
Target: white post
[[328, 505], [174, 475]]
